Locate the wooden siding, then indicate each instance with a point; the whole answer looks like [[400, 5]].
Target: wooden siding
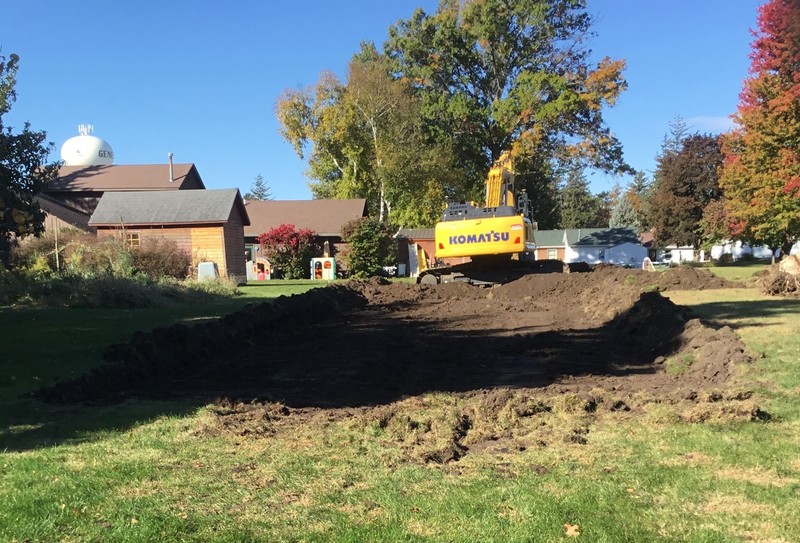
[[208, 245], [59, 217], [233, 239], [202, 243], [85, 202]]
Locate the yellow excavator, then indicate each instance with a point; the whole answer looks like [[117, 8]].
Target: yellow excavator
[[498, 238]]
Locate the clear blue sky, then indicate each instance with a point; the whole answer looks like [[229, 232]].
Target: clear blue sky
[[200, 78]]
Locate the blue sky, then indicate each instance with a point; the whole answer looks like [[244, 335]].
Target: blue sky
[[200, 78]]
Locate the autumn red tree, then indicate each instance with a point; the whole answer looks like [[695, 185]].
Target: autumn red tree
[[761, 173], [289, 250]]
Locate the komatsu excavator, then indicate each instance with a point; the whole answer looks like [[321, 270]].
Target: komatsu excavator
[[498, 238]]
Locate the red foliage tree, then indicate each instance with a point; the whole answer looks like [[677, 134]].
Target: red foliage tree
[[761, 173], [289, 250]]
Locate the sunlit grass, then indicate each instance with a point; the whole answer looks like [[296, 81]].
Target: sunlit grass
[[739, 271]]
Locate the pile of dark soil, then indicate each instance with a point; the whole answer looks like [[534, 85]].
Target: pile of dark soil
[[599, 342]]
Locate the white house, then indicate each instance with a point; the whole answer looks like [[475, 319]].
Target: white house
[[619, 246]]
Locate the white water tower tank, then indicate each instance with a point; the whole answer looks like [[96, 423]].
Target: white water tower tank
[[86, 150]]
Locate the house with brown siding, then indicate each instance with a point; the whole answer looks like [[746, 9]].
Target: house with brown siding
[[72, 198], [208, 224]]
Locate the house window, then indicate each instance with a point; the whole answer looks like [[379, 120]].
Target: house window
[[132, 240], [552, 254]]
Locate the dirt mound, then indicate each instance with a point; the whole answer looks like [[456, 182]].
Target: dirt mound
[[782, 279], [498, 361], [689, 278]]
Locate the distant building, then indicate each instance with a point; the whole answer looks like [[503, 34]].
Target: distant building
[[325, 217], [207, 224], [618, 246], [72, 198]]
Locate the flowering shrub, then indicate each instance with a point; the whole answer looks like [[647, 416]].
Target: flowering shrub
[[289, 250]]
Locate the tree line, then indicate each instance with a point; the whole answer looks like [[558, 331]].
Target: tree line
[[420, 120]]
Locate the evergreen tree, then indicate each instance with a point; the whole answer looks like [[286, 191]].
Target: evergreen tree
[[579, 207], [259, 190], [639, 193], [624, 215]]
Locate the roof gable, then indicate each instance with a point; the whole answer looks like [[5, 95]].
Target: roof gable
[[126, 177], [178, 207], [325, 217], [607, 237], [549, 238]]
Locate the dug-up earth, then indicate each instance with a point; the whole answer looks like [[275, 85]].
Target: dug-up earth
[[447, 370]]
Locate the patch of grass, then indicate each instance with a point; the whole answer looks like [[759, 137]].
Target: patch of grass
[[739, 271], [769, 326], [678, 365], [279, 287]]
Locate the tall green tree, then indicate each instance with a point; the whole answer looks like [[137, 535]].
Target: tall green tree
[[761, 175], [638, 193], [365, 139], [687, 181], [497, 75], [579, 207], [259, 190], [624, 215], [24, 171], [673, 140]]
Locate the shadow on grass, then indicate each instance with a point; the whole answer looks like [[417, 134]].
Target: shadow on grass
[[29, 424], [327, 349]]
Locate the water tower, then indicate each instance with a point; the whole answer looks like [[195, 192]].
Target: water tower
[[86, 150]]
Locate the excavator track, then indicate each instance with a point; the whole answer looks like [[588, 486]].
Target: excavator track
[[490, 273]]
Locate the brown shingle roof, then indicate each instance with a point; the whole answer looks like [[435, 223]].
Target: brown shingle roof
[[325, 217], [126, 177]]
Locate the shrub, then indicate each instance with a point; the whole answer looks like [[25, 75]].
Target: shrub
[[161, 258], [220, 286], [289, 250], [36, 251], [11, 287], [370, 247], [93, 257]]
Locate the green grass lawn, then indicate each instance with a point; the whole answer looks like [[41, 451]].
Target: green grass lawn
[[739, 271], [146, 471]]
